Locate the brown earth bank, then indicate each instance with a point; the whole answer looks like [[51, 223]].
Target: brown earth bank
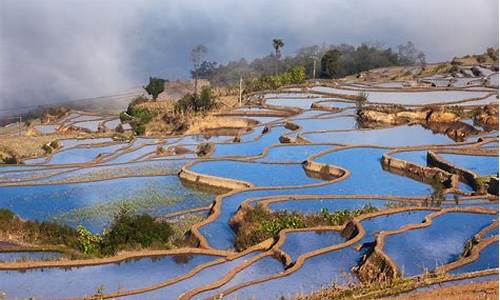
[[445, 120], [471, 291], [411, 74]]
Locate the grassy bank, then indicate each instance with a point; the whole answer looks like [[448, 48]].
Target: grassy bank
[[256, 224]]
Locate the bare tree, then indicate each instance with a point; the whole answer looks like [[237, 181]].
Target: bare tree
[[197, 54]]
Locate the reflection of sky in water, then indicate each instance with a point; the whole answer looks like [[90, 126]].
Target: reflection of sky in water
[[488, 259], [482, 165], [202, 278], [318, 271], [395, 136], [162, 195], [296, 153], [298, 243], [33, 255], [64, 283], [260, 174], [367, 177], [327, 124], [408, 97], [438, 244], [265, 266]]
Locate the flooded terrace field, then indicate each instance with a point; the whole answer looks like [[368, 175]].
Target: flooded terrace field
[[373, 192]]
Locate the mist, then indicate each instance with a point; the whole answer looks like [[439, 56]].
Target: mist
[[53, 51]]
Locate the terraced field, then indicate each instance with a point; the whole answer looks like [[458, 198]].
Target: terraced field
[[435, 204]]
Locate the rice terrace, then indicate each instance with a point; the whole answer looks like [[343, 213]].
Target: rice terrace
[[343, 171]]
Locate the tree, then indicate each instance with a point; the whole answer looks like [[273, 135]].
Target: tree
[[206, 70], [155, 87], [197, 54], [410, 55], [330, 63], [277, 45]]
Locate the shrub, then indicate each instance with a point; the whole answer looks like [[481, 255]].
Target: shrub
[[155, 87], [6, 215], [295, 75], [203, 102], [259, 224], [160, 150], [134, 230], [125, 117], [126, 231], [119, 128], [361, 100], [141, 116], [89, 243], [139, 129]]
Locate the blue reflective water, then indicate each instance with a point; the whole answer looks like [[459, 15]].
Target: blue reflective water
[[267, 265], [82, 155], [251, 148], [416, 157], [302, 103], [94, 203], [339, 123], [438, 244], [302, 242], [390, 137], [367, 177], [317, 272], [50, 283], [482, 165], [295, 153], [260, 174], [28, 255], [395, 221], [202, 278], [488, 259], [416, 98]]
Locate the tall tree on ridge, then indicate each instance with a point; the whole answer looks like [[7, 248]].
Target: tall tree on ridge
[[197, 54], [277, 45]]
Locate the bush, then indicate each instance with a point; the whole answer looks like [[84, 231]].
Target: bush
[[295, 75], [361, 100], [139, 129], [155, 87], [6, 215], [135, 230], [126, 231], [141, 116], [124, 117], [204, 102], [119, 128], [259, 224]]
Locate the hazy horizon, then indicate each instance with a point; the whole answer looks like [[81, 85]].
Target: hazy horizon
[[60, 50]]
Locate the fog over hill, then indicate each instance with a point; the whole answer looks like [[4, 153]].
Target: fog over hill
[[56, 50]]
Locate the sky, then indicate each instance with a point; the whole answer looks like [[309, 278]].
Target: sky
[[56, 50]]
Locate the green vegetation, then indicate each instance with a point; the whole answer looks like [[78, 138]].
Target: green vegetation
[[361, 100], [197, 103], [127, 231], [295, 75], [155, 87], [258, 223], [437, 194], [334, 61], [277, 45], [139, 116], [130, 231]]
